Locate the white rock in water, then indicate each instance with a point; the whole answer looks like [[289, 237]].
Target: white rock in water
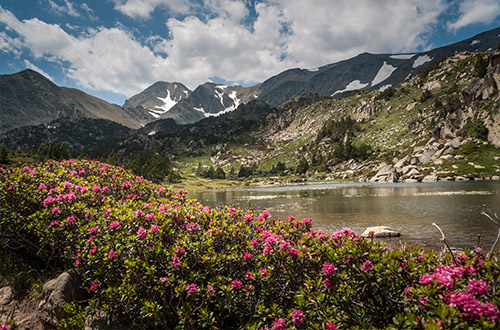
[[380, 231]]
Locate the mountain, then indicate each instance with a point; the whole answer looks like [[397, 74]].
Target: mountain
[[363, 72], [156, 100], [174, 100], [366, 71], [28, 98]]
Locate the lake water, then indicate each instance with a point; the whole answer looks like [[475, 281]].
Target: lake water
[[408, 208]]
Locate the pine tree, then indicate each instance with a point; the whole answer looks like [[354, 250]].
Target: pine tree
[[4, 154]]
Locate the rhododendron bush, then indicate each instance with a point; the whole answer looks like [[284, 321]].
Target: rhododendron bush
[[152, 257]]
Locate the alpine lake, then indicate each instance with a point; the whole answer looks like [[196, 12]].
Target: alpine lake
[[409, 209]]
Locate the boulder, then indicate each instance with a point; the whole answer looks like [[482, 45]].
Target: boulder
[[380, 231], [495, 178], [430, 178], [6, 295], [59, 291]]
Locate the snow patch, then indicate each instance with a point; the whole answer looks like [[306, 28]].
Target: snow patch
[[152, 133], [154, 114], [402, 56], [352, 86], [383, 88], [187, 93], [421, 60], [220, 95], [384, 72], [221, 87], [475, 42], [313, 69], [168, 104]]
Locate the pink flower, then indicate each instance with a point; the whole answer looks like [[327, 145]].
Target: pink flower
[[180, 250], [141, 233], [112, 254], [154, 229], [78, 261], [70, 219], [54, 223], [328, 284], [108, 212], [265, 214], [4, 326], [139, 213], [191, 288], [42, 187], [248, 218], [263, 272], [478, 286], [149, 216], [328, 269], [164, 279], [306, 220], [291, 218], [236, 284], [248, 276], [298, 317], [279, 324], [471, 307], [176, 261], [93, 250], [94, 286], [114, 225], [367, 266], [331, 326], [294, 252], [247, 256], [96, 188], [105, 189], [56, 210], [93, 230], [210, 289]]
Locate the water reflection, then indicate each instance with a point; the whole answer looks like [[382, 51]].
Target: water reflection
[[408, 208]]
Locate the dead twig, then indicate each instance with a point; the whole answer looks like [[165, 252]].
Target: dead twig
[[494, 218], [443, 238]]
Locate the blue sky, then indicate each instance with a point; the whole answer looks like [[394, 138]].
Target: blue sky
[[116, 48]]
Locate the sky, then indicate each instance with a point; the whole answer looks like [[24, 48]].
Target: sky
[[114, 49]]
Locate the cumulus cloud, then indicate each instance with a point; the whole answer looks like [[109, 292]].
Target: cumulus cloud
[[102, 59], [144, 8], [234, 40], [474, 12]]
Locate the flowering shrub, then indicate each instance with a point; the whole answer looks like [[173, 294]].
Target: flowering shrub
[[153, 258]]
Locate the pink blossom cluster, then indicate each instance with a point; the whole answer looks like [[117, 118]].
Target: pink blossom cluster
[[279, 324], [471, 306], [478, 287], [367, 266], [298, 317], [347, 232], [445, 276], [328, 269]]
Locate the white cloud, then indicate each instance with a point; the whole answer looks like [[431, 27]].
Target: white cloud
[[31, 66], [474, 12], [144, 8], [224, 39], [102, 59], [65, 8]]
